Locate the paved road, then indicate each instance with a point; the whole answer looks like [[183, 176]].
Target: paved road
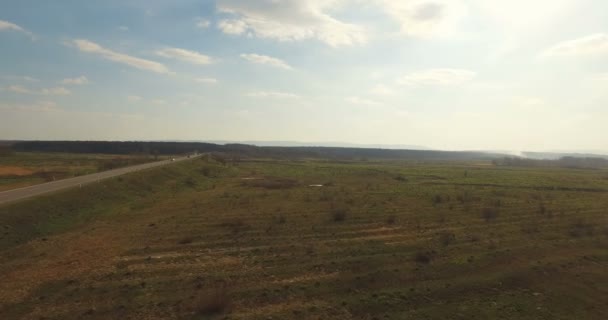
[[35, 190]]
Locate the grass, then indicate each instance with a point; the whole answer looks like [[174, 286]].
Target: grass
[[21, 169], [383, 240]]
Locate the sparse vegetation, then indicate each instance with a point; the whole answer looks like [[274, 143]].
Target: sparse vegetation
[[20, 169], [148, 245]]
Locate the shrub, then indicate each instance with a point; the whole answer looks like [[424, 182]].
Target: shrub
[[281, 219], [531, 228], [489, 214], [497, 203], [325, 197], [236, 225], [401, 178], [272, 183], [391, 219], [186, 240], [437, 199], [190, 182], [464, 197], [424, 257], [338, 214], [580, 228], [446, 238], [542, 209], [214, 301]]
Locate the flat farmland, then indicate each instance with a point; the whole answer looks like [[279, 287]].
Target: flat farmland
[[312, 240], [22, 169]]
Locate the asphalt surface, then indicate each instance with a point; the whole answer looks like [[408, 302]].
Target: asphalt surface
[[36, 190]]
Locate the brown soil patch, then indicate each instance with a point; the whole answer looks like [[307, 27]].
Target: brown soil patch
[[15, 171]]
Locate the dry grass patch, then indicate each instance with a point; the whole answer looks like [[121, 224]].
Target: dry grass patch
[[15, 171], [271, 183]]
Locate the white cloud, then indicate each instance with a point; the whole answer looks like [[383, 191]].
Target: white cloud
[[123, 28], [143, 64], [262, 59], [19, 89], [381, 90], [437, 77], [603, 77], [134, 98], [594, 44], [362, 101], [203, 23], [158, 101], [521, 16], [289, 20], [185, 55], [40, 106], [272, 94], [206, 80], [5, 25], [75, 81], [530, 103], [9, 26], [424, 18], [30, 79], [58, 91], [20, 78], [232, 26]]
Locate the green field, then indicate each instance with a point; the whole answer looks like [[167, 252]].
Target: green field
[[21, 169], [255, 240]]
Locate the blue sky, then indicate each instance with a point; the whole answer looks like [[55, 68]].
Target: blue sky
[[448, 74]]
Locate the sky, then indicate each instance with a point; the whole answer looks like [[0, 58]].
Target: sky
[[445, 74]]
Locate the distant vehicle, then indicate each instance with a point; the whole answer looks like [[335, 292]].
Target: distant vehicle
[[172, 159]]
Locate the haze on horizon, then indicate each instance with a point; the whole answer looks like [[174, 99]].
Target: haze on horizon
[[444, 74]]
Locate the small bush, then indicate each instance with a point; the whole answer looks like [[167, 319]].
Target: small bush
[[338, 214], [497, 203], [542, 209], [446, 238], [391, 219], [325, 197], [424, 257], [464, 197], [214, 301], [401, 178], [531, 228], [190, 182], [272, 183], [437, 199], [580, 228], [281, 219], [489, 214], [210, 171], [236, 225], [186, 240]]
